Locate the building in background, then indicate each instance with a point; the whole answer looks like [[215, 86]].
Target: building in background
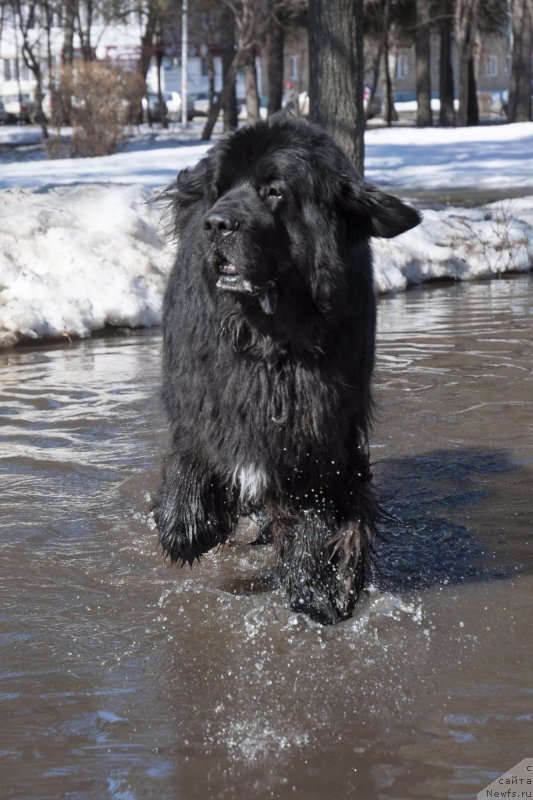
[[120, 46]]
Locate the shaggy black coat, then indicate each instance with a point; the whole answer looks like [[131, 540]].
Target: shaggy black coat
[[268, 325]]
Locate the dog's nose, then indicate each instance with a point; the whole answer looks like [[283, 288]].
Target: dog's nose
[[220, 223]]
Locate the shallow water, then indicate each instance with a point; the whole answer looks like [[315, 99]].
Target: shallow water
[[124, 678]]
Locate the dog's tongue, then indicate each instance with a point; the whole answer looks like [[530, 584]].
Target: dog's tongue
[[268, 298], [228, 269]]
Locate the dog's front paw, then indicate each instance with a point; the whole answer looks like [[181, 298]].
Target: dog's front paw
[[193, 513], [323, 575], [180, 537], [316, 599]]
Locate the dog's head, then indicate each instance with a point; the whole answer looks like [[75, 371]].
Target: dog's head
[[280, 209]]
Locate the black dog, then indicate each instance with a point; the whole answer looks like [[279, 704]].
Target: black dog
[[268, 326]]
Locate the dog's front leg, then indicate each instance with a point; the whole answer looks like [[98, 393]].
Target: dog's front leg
[[323, 573], [264, 524], [194, 511]]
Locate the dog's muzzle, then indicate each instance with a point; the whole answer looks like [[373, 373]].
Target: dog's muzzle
[[219, 225]]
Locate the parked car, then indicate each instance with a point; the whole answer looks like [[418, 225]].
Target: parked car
[[174, 105], [201, 104], [5, 117], [152, 108], [171, 107], [20, 107]]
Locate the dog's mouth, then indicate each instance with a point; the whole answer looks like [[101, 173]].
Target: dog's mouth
[[231, 280]]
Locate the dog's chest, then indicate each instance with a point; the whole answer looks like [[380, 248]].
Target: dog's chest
[[281, 421], [252, 481]]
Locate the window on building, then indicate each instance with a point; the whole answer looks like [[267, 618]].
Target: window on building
[[294, 68], [402, 66], [491, 67]]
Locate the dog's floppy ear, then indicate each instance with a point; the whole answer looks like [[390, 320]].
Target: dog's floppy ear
[[190, 185], [189, 188], [377, 213]]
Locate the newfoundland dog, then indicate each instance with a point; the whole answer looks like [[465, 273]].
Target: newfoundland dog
[[268, 349]]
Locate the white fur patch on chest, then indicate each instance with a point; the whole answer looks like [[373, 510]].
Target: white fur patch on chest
[[252, 481]]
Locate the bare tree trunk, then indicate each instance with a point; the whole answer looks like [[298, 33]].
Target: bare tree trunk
[[473, 105], [48, 14], [390, 114], [521, 71], [84, 31], [160, 51], [210, 67], [67, 51], [336, 73], [227, 89], [227, 25], [147, 44], [379, 53], [274, 50], [465, 16], [446, 92], [62, 106], [147, 41], [210, 80], [31, 60], [252, 95], [246, 25], [424, 117]]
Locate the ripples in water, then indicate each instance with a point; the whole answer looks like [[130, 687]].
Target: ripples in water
[[123, 678]]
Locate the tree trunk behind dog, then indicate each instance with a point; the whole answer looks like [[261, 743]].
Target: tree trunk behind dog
[[521, 87], [424, 116], [336, 73]]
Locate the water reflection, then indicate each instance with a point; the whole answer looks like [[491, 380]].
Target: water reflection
[[123, 678]]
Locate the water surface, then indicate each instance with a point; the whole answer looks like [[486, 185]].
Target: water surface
[[124, 678]]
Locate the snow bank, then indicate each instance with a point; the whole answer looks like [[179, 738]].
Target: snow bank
[[459, 244], [75, 259]]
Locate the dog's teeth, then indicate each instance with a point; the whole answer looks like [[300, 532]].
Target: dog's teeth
[[235, 283]]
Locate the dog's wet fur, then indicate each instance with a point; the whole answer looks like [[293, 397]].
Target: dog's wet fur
[[269, 329]]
